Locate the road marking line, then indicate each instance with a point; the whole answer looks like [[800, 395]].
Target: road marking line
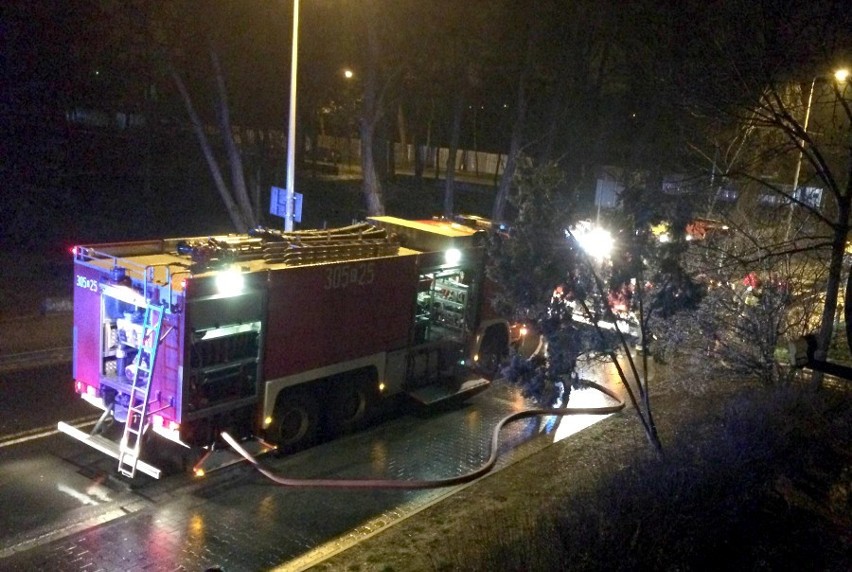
[[42, 432]]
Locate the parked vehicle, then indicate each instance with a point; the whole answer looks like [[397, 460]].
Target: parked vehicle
[[277, 337]]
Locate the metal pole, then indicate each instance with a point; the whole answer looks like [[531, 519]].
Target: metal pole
[[291, 131], [799, 162]]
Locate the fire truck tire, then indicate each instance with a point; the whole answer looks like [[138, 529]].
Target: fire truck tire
[[349, 405], [295, 422]]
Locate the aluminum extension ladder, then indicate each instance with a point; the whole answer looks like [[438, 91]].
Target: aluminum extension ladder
[[137, 410]]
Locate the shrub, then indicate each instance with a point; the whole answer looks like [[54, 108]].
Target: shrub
[[764, 484]]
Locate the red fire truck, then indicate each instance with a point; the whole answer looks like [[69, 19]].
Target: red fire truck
[[278, 338]]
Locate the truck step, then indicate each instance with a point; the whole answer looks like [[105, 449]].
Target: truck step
[[106, 447], [437, 393]]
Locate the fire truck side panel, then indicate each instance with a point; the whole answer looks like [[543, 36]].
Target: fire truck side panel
[[166, 383], [206, 310], [223, 342], [87, 325], [327, 314]]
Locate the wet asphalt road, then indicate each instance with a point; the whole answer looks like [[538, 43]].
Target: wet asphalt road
[[72, 512]]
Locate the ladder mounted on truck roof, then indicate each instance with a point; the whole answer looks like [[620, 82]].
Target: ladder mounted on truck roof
[[362, 240], [337, 251]]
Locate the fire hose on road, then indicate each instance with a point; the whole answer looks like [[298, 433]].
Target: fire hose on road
[[485, 468]]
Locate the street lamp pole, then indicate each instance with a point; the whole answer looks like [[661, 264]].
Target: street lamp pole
[[799, 162], [291, 130]]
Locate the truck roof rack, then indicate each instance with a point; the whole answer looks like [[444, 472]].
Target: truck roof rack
[[312, 253], [361, 240]]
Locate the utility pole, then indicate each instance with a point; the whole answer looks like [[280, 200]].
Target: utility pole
[[291, 130], [799, 162]]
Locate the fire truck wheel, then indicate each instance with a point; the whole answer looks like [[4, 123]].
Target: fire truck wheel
[[348, 406], [295, 422]]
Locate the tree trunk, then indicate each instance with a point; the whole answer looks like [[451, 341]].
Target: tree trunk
[[847, 309], [370, 115], [238, 180], [419, 152], [502, 196], [497, 213], [233, 211], [403, 136], [372, 185], [832, 288], [458, 110]]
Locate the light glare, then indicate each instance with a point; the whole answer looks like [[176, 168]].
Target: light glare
[[229, 282], [452, 256], [597, 243]]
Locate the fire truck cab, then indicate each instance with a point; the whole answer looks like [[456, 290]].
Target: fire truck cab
[[281, 338]]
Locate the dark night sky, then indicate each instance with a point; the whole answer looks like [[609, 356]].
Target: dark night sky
[[605, 82], [71, 52]]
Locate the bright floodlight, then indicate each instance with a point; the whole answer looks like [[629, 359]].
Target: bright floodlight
[[452, 256], [841, 75], [597, 243], [229, 282]]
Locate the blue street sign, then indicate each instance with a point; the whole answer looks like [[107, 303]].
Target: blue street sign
[[297, 207], [278, 204]]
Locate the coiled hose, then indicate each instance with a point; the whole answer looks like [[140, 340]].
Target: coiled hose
[[486, 467]]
